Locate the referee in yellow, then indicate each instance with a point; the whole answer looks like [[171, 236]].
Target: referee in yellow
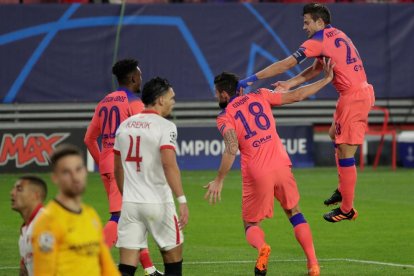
[[67, 238]]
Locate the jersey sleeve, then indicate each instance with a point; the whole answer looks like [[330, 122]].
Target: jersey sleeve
[[223, 123], [274, 98], [168, 137], [106, 262], [91, 136], [312, 48], [45, 241]]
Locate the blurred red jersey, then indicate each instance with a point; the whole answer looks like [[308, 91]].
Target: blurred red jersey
[[260, 146], [335, 44], [110, 112]]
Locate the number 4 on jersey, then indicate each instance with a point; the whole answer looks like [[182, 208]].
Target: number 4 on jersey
[[135, 158]]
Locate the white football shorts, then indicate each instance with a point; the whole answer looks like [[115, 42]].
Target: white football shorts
[[159, 219]]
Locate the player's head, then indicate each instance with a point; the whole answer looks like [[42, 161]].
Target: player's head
[[27, 193], [68, 170], [159, 94], [128, 74], [315, 18], [226, 87]]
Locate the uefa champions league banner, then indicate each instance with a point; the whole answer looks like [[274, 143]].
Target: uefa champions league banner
[[64, 53], [200, 148]]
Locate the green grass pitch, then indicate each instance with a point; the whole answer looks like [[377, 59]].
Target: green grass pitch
[[379, 242]]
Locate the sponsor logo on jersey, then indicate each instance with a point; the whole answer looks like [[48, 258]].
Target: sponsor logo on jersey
[[261, 141], [28, 148]]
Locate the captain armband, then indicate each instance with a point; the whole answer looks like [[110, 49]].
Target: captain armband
[[299, 55]]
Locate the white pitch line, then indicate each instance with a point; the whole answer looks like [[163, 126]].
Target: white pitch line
[[301, 260], [377, 263], [273, 261], [8, 267]]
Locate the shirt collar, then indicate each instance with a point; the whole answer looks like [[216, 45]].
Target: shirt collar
[[129, 93], [232, 98], [150, 111], [34, 213]]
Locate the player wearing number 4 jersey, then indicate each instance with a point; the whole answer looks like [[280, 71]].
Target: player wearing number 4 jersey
[[247, 124], [147, 175], [356, 97], [109, 114]]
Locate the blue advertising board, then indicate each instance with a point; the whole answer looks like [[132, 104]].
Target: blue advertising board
[[200, 148]]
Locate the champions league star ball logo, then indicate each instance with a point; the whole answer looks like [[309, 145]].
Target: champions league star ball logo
[[173, 137]]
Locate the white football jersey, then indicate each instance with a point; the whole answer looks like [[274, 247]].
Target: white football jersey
[[139, 141], [25, 241]]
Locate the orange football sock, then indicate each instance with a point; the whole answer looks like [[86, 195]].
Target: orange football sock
[[255, 236], [337, 167], [303, 235], [348, 177], [145, 259], [111, 233]]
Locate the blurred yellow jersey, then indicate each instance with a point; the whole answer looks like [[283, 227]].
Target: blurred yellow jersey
[[69, 243]]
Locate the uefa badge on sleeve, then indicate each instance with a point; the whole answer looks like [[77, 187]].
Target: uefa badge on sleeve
[[46, 241], [173, 137]]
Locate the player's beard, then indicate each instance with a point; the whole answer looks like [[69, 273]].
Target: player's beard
[[74, 191], [223, 105]]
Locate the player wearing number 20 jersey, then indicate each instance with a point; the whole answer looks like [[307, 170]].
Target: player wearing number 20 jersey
[[110, 112]]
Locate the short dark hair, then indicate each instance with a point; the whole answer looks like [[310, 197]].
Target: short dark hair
[[123, 68], [153, 89], [63, 151], [226, 82], [317, 11], [38, 182]]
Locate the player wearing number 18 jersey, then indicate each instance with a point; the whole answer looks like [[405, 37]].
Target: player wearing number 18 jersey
[[247, 124], [356, 96]]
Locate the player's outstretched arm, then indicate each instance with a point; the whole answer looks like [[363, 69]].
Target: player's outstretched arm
[[119, 173], [214, 188], [173, 176], [309, 73], [304, 92], [270, 71]]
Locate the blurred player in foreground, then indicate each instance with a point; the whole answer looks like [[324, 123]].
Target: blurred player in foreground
[[147, 174], [356, 97], [27, 197], [109, 114], [67, 237], [247, 124]]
